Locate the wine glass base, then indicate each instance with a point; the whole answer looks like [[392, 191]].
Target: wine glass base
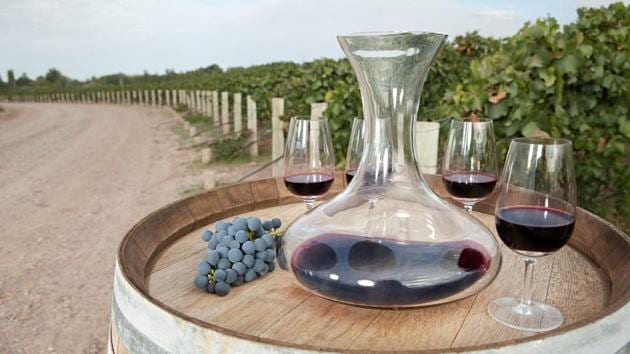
[[535, 317]]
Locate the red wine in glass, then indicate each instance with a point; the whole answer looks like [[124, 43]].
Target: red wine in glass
[[534, 228], [309, 159], [350, 175], [469, 169], [469, 185], [309, 184], [387, 272], [535, 217]]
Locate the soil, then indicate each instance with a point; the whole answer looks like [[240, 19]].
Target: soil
[[73, 179]]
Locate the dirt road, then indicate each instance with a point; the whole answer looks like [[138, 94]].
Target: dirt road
[[73, 179]]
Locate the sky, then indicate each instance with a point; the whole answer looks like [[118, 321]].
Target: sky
[[85, 38]]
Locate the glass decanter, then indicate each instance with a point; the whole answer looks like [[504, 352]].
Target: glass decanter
[[388, 240]]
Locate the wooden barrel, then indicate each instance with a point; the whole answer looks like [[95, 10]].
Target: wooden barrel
[[156, 308]]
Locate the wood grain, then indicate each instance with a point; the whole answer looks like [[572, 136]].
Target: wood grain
[[282, 306], [585, 280]]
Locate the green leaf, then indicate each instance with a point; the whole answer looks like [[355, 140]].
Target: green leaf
[[568, 64], [586, 50], [531, 130], [498, 110], [548, 76]]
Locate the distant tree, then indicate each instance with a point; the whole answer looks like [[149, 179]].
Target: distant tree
[[2, 83], [23, 80], [54, 76], [10, 78]]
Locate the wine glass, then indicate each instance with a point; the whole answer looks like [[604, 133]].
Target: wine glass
[[309, 159], [535, 216], [469, 170], [355, 148]]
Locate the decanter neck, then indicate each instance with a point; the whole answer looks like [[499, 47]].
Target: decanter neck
[[391, 69]]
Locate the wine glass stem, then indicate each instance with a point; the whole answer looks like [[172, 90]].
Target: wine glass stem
[[469, 207], [309, 203], [526, 295]]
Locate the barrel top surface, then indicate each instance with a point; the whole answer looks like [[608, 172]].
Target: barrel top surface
[[274, 310]]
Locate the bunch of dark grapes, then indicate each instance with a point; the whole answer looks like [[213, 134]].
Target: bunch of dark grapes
[[239, 252]]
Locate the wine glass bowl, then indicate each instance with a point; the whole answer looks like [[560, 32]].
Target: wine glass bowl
[[469, 170], [309, 159], [355, 148], [535, 216]]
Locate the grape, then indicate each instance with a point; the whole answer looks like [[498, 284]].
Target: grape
[[272, 266], [224, 263], [225, 241], [261, 255], [271, 255], [220, 275], [201, 281], [259, 232], [241, 236], [220, 236], [211, 246], [231, 230], [268, 240], [249, 247], [259, 266], [223, 251], [213, 257], [239, 280], [222, 288], [235, 255], [222, 226], [276, 223], [231, 276], [240, 224], [250, 275], [210, 288], [203, 268], [254, 223], [265, 270], [266, 225], [239, 267], [206, 235], [260, 244], [248, 260], [234, 245]]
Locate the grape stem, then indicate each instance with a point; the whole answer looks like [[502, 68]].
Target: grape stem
[[277, 233], [211, 274]]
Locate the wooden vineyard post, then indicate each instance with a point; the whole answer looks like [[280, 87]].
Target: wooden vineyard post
[[238, 117], [174, 96], [159, 97], [215, 108], [427, 136], [277, 136], [206, 155], [134, 96], [208, 101], [167, 97], [128, 97], [252, 126], [225, 117], [199, 103], [153, 100], [202, 102]]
